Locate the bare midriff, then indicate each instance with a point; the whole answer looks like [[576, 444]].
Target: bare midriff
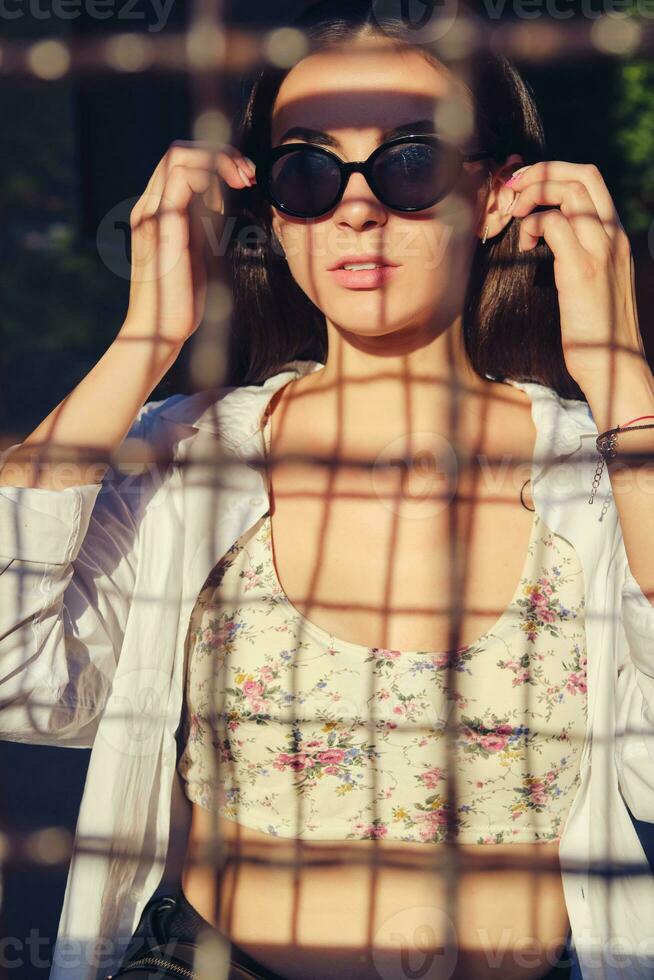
[[319, 909]]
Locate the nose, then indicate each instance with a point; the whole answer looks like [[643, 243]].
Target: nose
[[359, 208]]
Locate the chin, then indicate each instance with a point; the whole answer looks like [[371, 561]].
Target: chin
[[370, 324]]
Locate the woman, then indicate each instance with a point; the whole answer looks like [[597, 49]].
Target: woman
[[375, 296]]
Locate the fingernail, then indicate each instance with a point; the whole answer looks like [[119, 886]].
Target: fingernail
[[249, 166], [246, 177], [516, 175], [512, 204]]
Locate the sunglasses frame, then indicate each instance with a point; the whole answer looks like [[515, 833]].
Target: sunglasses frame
[[365, 167]]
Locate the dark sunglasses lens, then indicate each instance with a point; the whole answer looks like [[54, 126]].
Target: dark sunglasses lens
[[413, 175], [305, 182]]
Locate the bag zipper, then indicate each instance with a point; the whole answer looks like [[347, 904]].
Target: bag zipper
[[155, 961]]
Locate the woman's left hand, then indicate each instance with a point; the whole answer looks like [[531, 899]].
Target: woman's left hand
[[593, 264]]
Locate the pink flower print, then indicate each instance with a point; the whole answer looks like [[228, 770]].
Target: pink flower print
[[376, 830], [332, 770], [252, 688], [504, 729], [479, 783], [398, 709], [331, 756], [538, 793], [494, 743], [384, 694], [431, 777], [547, 615], [538, 598], [194, 728], [441, 660], [390, 724], [252, 579], [511, 664], [286, 761], [550, 776], [521, 677], [312, 744], [577, 682], [216, 637], [266, 674], [430, 823], [387, 654]]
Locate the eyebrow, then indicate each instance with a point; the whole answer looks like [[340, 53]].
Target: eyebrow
[[422, 126]]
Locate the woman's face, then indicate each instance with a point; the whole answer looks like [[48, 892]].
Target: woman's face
[[353, 97]]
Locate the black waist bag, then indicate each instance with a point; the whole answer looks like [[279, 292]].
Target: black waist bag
[[155, 955]]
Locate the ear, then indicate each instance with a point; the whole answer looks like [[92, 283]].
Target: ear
[[499, 197], [276, 225]]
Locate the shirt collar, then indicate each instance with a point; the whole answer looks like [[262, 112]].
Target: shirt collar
[[561, 423]]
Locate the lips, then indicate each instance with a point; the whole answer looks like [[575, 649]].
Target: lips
[[368, 278], [362, 259]]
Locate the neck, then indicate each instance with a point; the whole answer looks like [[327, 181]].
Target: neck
[[383, 373], [374, 391]]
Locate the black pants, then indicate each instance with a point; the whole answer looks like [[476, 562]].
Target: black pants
[[186, 923]]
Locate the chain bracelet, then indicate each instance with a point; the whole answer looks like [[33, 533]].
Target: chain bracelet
[[596, 479], [606, 447]]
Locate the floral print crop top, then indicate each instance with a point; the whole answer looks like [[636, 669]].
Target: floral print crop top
[[281, 733]]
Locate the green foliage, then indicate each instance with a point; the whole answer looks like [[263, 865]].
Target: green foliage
[[633, 114]]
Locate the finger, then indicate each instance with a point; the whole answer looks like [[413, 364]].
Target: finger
[[576, 205], [557, 231], [182, 183], [213, 196], [226, 162], [586, 173]]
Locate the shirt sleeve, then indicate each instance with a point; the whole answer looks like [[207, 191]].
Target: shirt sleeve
[[68, 563], [635, 702]]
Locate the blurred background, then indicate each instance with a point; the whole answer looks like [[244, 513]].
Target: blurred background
[[76, 147]]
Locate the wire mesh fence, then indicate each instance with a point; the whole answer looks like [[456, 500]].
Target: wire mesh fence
[[388, 810]]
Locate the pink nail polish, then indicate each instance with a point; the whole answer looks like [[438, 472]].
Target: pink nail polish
[[516, 175]]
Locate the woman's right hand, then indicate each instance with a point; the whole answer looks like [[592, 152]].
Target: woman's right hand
[[168, 274]]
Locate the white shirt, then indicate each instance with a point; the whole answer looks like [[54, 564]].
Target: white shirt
[[97, 584]]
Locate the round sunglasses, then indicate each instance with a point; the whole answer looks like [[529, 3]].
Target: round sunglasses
[[408, 173]]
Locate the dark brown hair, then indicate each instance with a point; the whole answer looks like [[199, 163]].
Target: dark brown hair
[[511, 324]]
